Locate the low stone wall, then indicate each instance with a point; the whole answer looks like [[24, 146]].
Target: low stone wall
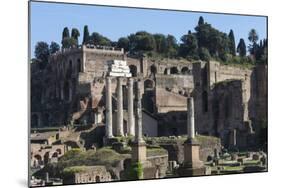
[[175, 147]]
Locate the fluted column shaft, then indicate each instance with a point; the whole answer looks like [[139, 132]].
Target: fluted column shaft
[[108, 109], [138, 109], [190, 118], [131, 118], [120, 131]]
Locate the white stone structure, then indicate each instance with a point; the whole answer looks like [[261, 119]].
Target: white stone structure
[[118, 69]]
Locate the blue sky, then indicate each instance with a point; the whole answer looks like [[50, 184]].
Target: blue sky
[[49, 19]]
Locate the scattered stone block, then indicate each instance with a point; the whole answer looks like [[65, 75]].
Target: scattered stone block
[[249, 155], [241, 160], [234, 157]]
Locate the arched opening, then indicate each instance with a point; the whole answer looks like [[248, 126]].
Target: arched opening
[[227, 104], [133, 70], [39, 160], [97, 179], [34, 120], [153, 69], [59, 151], [205, 101], [166, 71], [174, 70], [67, 91], [148, 84], [79, 65], [46, 119], [185, 70], [55, 155], [46, 158], [70, 66]]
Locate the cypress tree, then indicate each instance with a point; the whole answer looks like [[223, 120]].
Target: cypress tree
[[241, 48], [65, 33], [201, 20], [65, 37], [86, 35], [232, 46]]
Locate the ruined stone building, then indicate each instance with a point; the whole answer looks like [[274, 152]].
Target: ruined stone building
[[230, 101]]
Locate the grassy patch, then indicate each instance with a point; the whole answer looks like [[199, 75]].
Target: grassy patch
[[104, 156], [156, 151]]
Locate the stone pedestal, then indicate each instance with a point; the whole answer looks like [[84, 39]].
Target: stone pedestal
[[192, 165], [139, 152], [191, 154]]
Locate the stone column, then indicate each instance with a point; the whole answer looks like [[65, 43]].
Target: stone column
[[138, 113], [190, 118], [192, 165], [108, 108], [138, 146], [120, 131], [131, 118]]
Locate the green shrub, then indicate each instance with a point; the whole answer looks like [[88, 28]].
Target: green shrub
[[135, 171]]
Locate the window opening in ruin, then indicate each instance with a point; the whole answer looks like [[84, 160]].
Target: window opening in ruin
[[133, 70], [97, 179], [166, 71], [215, 77], [205, 101], [153, 69], [148, 84], [67, 91], [174, 70], [185, 70], [205, 76], [79, 66]]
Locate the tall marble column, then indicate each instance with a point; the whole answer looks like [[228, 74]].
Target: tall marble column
[[190, 120], [120, 131], [131, 118], [139, 145], [192, 165], [108, 109], [138, 109]]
